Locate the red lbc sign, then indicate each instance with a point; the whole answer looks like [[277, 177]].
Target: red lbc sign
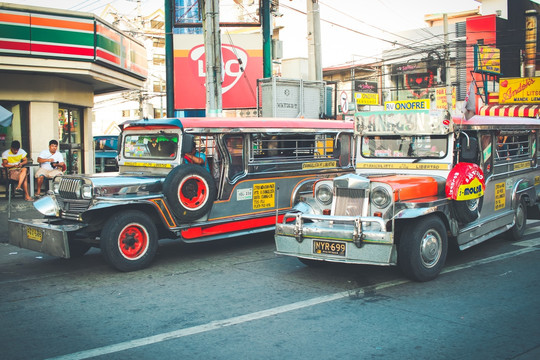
[[240, 67]]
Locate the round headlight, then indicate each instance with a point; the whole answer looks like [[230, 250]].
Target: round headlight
[[86, 192], [380, 197], [56, 185], [324, 194]]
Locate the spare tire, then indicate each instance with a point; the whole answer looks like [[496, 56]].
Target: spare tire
[[467, 211], [190, 191]]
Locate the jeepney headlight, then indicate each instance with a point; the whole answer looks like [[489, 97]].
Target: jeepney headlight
[[380, 197], [56, 185], [324, 194], [86, 191]]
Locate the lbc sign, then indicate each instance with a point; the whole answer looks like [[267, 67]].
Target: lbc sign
[[241, 67]]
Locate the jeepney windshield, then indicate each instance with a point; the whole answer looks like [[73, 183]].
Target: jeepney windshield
[[151, 146], [395, 146]]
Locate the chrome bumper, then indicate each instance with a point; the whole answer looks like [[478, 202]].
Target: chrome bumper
[[365, 238], [49, 237]]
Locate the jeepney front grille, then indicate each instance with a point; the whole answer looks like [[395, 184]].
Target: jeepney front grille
[[69, 198], [350, 202], [70, 188]]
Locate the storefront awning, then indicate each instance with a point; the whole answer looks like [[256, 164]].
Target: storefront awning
[[510, 110]]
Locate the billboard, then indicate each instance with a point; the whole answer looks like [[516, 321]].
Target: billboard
[[242, 65], [487, 59], [519, 90]]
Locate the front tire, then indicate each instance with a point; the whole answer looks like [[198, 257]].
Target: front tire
[[129, 240], [422, 249]]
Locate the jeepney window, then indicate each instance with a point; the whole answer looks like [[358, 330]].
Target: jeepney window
[[513, 146], [151, 146], [235, 148], [290, 151], [395, 146], [205, 148]]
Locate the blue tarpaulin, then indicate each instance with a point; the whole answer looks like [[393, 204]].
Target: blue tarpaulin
[[6, 117]]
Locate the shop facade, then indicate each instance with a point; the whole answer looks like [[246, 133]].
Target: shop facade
[[52, 63]]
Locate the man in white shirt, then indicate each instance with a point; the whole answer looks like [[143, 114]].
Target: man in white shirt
[[51, 164], [14, 160]]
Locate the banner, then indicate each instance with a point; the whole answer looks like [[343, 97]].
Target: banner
[[519, 91]]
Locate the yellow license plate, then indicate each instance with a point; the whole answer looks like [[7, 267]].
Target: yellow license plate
[[329, 247], [34, 234]]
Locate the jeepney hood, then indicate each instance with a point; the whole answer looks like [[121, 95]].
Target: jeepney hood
[[407, 187], [114, 184]]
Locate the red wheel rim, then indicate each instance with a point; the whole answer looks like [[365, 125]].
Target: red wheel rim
[[193, 192], [133, 241]]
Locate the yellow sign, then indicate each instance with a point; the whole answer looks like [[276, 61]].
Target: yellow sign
[[319, 165], [408, 166], [536, 180], [440, 98], [470, 191], [367, 99], [264, 196], [519, 90], [522, 165], [156, 165], [500, 196], [421, 104], [489, 59]]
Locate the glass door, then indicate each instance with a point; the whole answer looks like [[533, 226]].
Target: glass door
[[70, 135]]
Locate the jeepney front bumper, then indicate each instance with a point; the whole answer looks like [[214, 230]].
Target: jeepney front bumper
[[347, 239], [47, 236]]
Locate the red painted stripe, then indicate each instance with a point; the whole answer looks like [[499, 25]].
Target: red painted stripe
[[58, 49], [201, 231], [267, 123], [107, 56], [13, 45]]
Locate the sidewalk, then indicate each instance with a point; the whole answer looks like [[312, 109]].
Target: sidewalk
[[19, 209]]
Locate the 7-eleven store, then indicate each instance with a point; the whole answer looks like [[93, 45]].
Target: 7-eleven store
[[52, 63]]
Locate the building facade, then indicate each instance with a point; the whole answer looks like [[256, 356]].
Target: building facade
[[52, 63]]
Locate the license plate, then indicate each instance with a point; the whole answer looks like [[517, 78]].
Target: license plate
[[328, 247], [34, 234]]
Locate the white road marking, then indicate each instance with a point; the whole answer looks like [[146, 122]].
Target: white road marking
[[218, 324]]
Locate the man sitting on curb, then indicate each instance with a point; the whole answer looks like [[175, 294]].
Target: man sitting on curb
[[51, 164], [14, 161]]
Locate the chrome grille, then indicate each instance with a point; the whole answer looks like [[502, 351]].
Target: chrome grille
[[69, 201], [350, 202], [70, 188]]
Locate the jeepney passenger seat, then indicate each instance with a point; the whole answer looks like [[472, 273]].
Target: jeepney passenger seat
[[469, 149]]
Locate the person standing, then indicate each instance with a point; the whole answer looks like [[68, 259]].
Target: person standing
[[51, 164], [14, 160]]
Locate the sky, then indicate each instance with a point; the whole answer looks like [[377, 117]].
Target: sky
[[351, 30]]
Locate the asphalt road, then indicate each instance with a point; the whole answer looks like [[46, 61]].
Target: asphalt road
[[237, 300]]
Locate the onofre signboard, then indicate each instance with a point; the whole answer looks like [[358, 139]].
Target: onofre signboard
[[519, 90], [421, 104], [487, 59], [242, 66]]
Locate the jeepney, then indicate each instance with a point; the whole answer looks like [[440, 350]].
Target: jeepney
[[253, 171], [423, 180]]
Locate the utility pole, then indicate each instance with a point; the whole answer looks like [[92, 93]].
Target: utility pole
[[314, 40], [212, 49], [447, 64], [267, 39]]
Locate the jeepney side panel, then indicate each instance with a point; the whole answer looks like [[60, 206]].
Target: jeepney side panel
[[506, 180]]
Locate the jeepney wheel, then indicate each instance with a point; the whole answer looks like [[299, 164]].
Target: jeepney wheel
[[520, 217], [190, 190], [129, 240], [422, 249], [467, 211]]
